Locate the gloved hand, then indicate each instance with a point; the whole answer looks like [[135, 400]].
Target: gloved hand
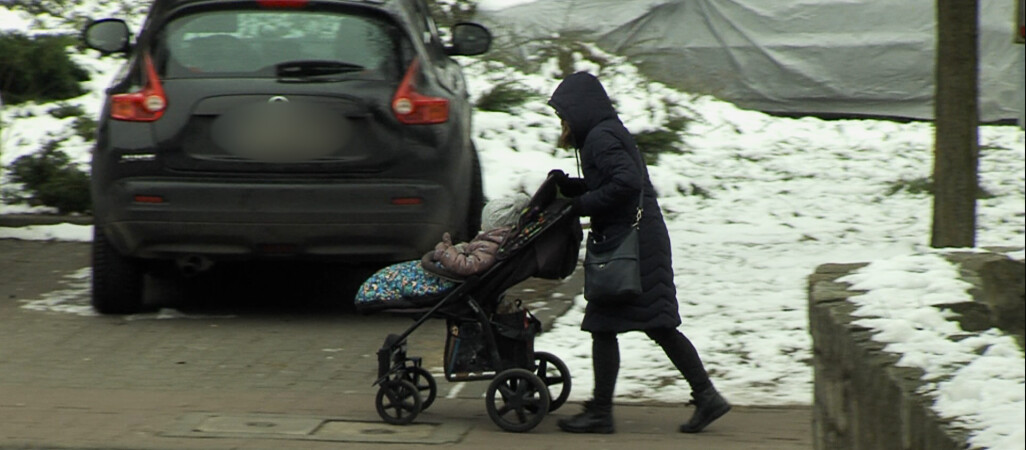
[[557, 174], [575, 207], [568, 187], [573, 187]]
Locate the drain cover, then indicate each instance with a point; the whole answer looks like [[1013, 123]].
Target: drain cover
[[259, 425], [417, 432], [267, 426]]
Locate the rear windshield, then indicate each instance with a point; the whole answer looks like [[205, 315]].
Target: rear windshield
[[252, 43]]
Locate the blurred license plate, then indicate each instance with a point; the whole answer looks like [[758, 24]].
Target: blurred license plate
[[281, 132]]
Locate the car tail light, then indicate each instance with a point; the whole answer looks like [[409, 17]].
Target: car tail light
[[414, 108], [282, 3], [148, 199], [145, 105], [407, 201]]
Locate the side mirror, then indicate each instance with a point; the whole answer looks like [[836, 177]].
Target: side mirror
[[107, 36], [469, 39]]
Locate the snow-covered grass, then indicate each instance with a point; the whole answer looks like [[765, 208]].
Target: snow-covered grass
[[753, 203]]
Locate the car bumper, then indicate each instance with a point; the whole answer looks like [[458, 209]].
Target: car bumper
[[348, 221]]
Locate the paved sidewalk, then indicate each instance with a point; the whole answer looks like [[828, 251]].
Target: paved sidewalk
[[229, 419], [269, 378]]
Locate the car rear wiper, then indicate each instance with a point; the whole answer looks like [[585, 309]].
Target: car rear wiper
[[314, 70]]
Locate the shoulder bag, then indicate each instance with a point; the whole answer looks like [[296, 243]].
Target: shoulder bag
[[612, 266]]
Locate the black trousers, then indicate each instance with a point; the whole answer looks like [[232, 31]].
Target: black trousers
[[605, 351]]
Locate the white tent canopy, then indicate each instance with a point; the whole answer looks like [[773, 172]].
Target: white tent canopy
[[829, 57]]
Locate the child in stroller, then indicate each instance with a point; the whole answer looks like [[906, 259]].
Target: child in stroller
[[489, 337], [421, 282]]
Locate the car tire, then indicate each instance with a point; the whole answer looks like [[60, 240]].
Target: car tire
[[477, 200], [117, 280]]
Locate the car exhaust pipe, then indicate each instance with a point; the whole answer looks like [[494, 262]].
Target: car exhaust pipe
[[193, 264]]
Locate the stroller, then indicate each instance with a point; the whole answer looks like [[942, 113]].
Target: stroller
[[489, 337]]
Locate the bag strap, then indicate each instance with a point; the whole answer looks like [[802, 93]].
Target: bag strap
[[641, 170], [641, 188], [641, 199]]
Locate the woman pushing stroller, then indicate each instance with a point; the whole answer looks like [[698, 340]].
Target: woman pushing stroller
[[614, 175]]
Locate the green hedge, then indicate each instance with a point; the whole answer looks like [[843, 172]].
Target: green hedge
[[50, 178], [38, 69]]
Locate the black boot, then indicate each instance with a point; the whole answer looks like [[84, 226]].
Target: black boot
[[709, 406], [594, 419]]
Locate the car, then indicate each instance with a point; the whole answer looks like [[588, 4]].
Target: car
[[295, 130]]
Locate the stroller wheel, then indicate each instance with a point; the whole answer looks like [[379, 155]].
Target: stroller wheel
[[398, 402], [521, 403], [556, 375], [421, 379]]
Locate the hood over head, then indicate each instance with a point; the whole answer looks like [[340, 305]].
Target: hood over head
[[582, 102]]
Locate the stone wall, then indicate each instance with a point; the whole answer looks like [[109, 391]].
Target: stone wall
[[862, 401]]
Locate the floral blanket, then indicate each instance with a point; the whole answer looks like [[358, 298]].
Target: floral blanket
[[401, 285]]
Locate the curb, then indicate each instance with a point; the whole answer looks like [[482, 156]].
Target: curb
[[25, 220]]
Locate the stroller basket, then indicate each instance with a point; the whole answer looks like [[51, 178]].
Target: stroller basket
[[471, 353]]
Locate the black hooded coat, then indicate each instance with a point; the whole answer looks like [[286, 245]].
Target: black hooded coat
[[614, 172]]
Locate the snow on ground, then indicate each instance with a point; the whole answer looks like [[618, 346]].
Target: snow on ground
[[978, 380], [753, 203]]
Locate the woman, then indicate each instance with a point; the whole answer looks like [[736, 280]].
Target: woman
[[614, 172]]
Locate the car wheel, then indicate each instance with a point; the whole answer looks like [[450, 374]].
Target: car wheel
[[477, 200], [117, 280]]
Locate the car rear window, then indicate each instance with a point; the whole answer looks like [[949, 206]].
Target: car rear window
[[251, 43]]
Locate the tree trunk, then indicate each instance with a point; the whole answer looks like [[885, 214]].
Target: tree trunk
[[956, 146]]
